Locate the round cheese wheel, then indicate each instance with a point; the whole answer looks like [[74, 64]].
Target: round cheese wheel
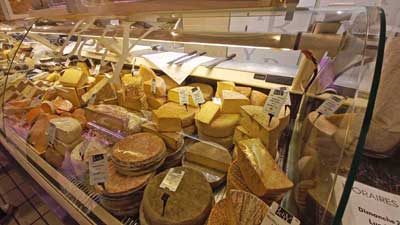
[[190, 204], [223, 125], [206, 89], [226, 142]]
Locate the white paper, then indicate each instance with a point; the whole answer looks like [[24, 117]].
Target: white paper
[[216, 100], [197, 96], [172, 180], [279, 216], [330, 105], [22, 56], [183, 97], [176, 72], [276, 100], [98, 168], [51, 133]]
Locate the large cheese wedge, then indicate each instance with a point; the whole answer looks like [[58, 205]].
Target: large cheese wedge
[[173, 140], [133, 85], [258, 98], [223, 125], [208, 155], [73, 77], [67, 129], [231, 101], [174, 109], [146, 72], [169, 82], [206, 89], [224, 85], [260, 172], [166, 122], [207, 112], [173, 95], [70, 94], [226, 142], [240, 134], [161, 87], [155, 102], [38, 133], [246, 91]]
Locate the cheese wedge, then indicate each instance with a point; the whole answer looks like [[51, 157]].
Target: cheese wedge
[[53, 77], [136, 103], [207, 112], [84, 67], [169, 82], [260, 172], [133, 85], [224, 85], [189, 130], [231, 101], [173, 95], [73, 77], [173, 140], [67, 129], [226, 142], [146, 72], [246, 91], [223, 125], [166, 122], [240, 134], [161, 87], [70, 94], [208, 155], [155, 102], [258, 98], [206, 89]]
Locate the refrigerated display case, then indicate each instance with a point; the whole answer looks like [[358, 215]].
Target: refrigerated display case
[[98, 109]]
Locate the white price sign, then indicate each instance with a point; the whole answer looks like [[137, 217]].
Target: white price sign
[[197, 96], [277, 215], [98, 168], [183, 97], [51, 133], [172, 180], [153, 86], [330, 105], [276, 100], [97, 69]]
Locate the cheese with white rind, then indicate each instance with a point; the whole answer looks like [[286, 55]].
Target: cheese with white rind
[[223, 125], [231, 101], [173, 95]]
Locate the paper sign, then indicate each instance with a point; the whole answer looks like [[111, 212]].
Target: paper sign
[[97, 69], [330, 105], [276, 100], [216, 100], [183, 97], [98, 168], [51, 133], [1, 44], [172, 180], [288, 102], [197, 96], [153, 86], [277, 215]]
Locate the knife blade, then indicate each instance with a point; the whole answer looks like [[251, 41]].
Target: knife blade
[[218, 61], [182, 57], [185, 60]]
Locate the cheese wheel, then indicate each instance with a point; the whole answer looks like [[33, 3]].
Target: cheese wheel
[[258, 98], [226, 142], [223, 125], [155, 102], [173, 140], [208, 155], [189, 130], [231, 101], [207, 112], [206, 89]]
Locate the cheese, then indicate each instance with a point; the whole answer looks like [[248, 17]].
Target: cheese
[[231, 101], [173, 140], [38, 133], [79, 114], [258, 98], [62, 105], [54, 158], [62, 147], [155, 102], [146, 72], [208, 155], [223, 125], [53, 77], [189, 130], [169, 82], [207, 112], [206, 89], [226, 142], [73, 78], [32, 115], [240, 134], [260, 172], [284, 118], [136, 103], [224, 85], [161, 87], [84, 67], [48, 107], [69, 94], [173, 95], [133, 85], [67, 129], [166, 122], [246, 91], [173, 109]]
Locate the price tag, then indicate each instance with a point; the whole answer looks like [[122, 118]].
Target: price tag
[[22, 56], [98, 168], [91, 62], [133, 67], [276, 99], [183, 97], [197, 96], [172, 180], [97, 69], [92, 100], [51, 133], [330, 105], [216, 100], [114, 22], [288, 102], [277, 215], [67, 62], [153, 86]]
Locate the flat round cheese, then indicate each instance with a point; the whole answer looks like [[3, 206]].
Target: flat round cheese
[[226, 142], [190, 204], [223, 125]]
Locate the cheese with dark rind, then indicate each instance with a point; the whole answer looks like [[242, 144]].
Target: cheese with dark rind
[[190, 204], [208, 155], [223, 125]]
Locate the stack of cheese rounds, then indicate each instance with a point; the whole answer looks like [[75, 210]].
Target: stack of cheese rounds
[[139, 154], [190, 204]]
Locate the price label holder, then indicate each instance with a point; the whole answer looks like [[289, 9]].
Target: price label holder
[[91, 63], [51, 134], [98, 168], [172, 180], [133, 71], [277, 215], [153, 86], [183, 97], [197, 96], [276, 100], [97, 69], [330, 105]]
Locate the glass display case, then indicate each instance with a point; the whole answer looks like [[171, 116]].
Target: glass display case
[[132, 119]]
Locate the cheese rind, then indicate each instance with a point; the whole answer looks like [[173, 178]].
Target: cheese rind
[[224, 85], [207, 112], [231, 101], [226, 142], [223, 125]]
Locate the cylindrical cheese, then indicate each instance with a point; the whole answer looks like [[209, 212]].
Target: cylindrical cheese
[[223, 125], [226, 142]]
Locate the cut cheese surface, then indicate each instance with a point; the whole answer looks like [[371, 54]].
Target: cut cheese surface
[[208, 155], [224, 85], [223, 125], [206, 89], [246, 91], [207, 112], [231, 101], [166, 122], [161, 87], [173, 140], [155, 102], [74, 77], [146, 72], [67, 129], [172, 109], [173, 95], [133, 85], [258, 98], [260, 172], [169, 82]]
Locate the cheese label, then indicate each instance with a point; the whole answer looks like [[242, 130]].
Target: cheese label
[[51, 133], [91, 62], [97, 69], [276, 100], [153, 86], [197, 96], [330, 105], [98, 168], [22, 56], [183, 97], [134, 73], [279, 216], [217, 100], [67, 62], [288, 102], [172, 180]]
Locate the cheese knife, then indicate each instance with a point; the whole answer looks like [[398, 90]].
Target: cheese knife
[[181, 62], [182, 57], [218, 61]]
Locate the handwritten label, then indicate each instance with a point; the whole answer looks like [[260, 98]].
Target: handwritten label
[[197, 96], [277, 215], [172, 180], [98, 168], [153, 86], [276, 100], [51, 133], [330, 105], [183, 97]]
